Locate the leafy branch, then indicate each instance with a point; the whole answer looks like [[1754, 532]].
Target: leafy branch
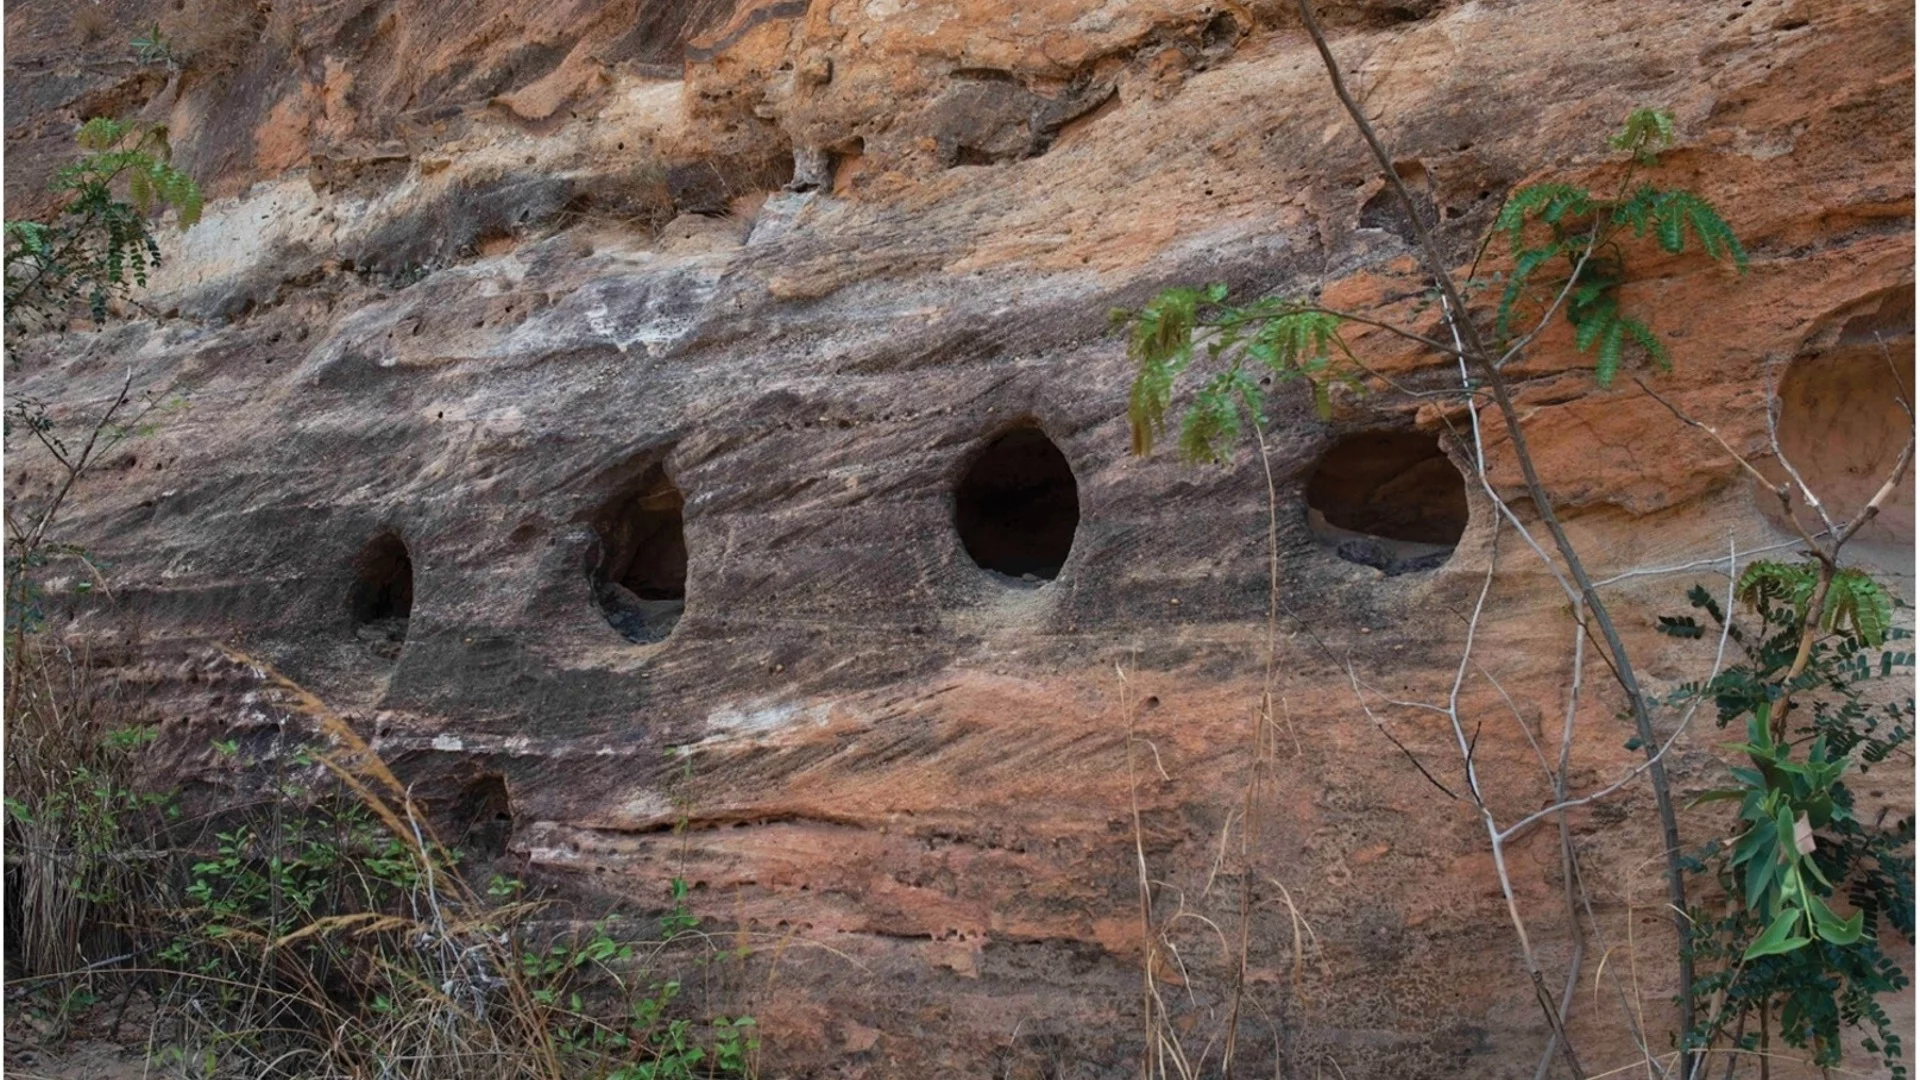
[[1798, 844], [99, 245], [1545, 222], [1288, 340]]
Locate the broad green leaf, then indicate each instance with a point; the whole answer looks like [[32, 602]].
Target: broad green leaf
[[1832, 928], [1778, 938]]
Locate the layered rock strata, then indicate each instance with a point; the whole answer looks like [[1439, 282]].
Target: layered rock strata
[[477, 278]]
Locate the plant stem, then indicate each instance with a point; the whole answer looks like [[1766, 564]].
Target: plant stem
[[1478, 353]]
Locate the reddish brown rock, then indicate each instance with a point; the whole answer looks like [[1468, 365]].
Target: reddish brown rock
[[472, 269]]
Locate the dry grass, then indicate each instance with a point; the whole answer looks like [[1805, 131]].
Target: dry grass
[[212, 37], [75, 826], [324, 930], [1196, 942], [91, 22]]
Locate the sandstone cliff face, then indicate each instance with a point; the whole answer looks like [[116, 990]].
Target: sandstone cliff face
[[480, 277]]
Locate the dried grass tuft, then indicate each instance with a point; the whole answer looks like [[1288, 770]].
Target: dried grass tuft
[[91, 22], [212, 37]]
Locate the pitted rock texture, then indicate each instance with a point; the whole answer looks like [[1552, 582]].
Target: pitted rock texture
[[473, 270]]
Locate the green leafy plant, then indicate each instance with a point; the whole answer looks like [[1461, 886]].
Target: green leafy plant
[[1556, 224], [1287, 341], [678, 919], [78, 816], [99, 244], [1779, 953], [1254, 347], [322, 929], [151, 46], [1568, 249]]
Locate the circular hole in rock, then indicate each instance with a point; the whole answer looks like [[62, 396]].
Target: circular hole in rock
[[381, 598], [1842, 425], [640, 579], [1388, 499], [1017, 506]]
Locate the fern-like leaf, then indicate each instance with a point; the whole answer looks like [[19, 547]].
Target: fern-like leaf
[[1296, 342], [1669, 231], [1643, 335], [140, 190], [1161, 343], [1766, 582], [1212, 423], [1675, 213], [102, 134], [1147, 405], [1636, 211], [1591, 323], [1524, 266], [1607, 365], [1856, 603], [1539, 200], [1645, 133]]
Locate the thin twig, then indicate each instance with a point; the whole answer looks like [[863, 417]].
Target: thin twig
[[1483, 358]]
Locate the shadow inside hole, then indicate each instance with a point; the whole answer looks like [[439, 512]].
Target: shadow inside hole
[[1385, 211], [483, 816], [381, 597], [1017, 507], [1388, 499], [640, 579]]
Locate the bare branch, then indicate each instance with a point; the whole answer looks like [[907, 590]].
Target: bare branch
[[77, 466], [1354, 678], [1879, 497], [1780, 455], [1780, 489], [1475, 349], [1720, 655]]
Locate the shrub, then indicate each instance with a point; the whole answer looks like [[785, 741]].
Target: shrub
[[1797, 844], [78, 829]]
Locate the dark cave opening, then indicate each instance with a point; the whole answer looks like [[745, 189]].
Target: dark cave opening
[[1017, 506], [381, 596], [640, 577], [1388, 499], [482, 816]]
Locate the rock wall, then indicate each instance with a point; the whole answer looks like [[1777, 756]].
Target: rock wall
[[476, 276]]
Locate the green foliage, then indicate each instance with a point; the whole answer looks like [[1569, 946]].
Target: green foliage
[[99, 244], [152, 47], [75, 809], [265, 880], [1645, 133], [1567, 246], [321, 930], [1554, 224], [1855, 603], [1779, 949], [369, 925], [678, 919], [1285, 340]]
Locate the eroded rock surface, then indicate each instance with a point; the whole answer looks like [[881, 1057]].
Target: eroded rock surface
[[472, 269]]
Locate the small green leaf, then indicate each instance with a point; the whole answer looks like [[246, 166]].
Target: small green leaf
[[1608, 363]]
